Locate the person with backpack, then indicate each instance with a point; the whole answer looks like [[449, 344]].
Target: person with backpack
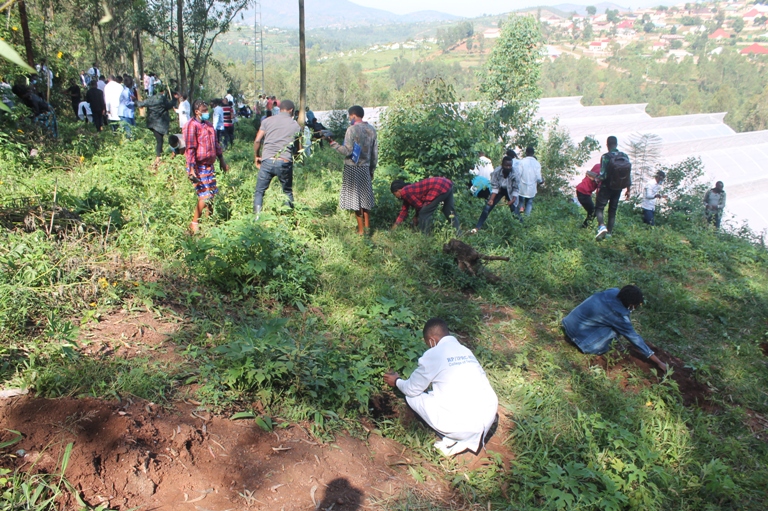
[[615, 176]]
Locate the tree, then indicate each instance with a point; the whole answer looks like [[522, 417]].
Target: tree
[[591, 10], [644, 153], [737, 25], [560, 157], [648, 27], [203, 22], [511, 78], [302, 66], [425, 132], [612, 15]]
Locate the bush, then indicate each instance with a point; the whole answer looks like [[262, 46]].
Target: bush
[[242, 256], [426, 133]]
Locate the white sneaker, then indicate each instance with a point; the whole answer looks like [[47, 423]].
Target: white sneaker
[[448, 447], [602, 231]]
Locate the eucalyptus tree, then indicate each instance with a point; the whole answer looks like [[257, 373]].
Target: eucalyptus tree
[[190, 29]]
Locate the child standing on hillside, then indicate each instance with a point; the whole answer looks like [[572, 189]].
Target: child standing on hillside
[[584, 192]]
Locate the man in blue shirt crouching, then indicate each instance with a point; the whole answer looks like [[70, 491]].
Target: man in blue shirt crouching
[[601, 318]]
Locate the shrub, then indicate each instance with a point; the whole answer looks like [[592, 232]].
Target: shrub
[[426, 133], [242, 256]]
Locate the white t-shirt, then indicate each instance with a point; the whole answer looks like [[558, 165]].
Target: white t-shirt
[[483, 168], [649, 196], [184, 112], [100, 85], [462, 404]]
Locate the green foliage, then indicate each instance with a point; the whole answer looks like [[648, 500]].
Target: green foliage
[[560, 156], [426, 132], [245, 257], [512, 77]]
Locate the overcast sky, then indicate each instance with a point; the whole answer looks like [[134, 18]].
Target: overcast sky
[[468, 8]]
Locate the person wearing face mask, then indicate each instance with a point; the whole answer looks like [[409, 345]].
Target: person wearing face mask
[[361, 155], [602, 318], [504, 184], [462, 405], [202, 150]]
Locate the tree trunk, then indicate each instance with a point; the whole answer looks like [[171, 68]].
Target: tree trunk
[[138, 68], [25, 31], [182, 60], [302, 67]]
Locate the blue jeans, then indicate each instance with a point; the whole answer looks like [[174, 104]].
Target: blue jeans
[[648, 216], [127, 123], [528, 203], [283, 171], [489, 207]]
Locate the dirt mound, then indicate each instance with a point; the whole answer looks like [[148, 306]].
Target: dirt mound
[[138, 454]]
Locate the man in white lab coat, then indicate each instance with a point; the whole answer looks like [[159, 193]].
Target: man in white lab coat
[[462, 405]]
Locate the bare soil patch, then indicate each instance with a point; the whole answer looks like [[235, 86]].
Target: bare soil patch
[[140, 455], [128, 335]]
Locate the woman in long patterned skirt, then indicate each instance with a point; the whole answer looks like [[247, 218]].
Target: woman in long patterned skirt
[[361, 154], [202, 150]]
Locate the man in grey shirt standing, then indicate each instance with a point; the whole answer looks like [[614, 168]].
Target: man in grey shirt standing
[[277, 138]]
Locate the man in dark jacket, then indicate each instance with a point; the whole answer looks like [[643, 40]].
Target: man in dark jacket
[[95, 99], [158, 119]]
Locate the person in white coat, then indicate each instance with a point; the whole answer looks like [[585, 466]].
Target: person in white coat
[[112, 92], [462, 405], [530, 178]]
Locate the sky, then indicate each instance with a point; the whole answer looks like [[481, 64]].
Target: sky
[[467, 8]]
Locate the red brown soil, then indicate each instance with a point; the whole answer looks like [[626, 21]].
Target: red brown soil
[[758, 425], [139, 455], [692, 391], [764, 347], [129, 335]]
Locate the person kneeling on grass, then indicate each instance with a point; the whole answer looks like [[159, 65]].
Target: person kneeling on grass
[[177, 145], [425, 197], [601, 318], [462, 405], [202, 150]]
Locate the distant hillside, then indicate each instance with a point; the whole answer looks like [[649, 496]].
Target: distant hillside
[[336, 14]]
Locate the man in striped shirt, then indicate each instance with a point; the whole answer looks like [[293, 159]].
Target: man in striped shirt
[[425, 197], [229, 122]]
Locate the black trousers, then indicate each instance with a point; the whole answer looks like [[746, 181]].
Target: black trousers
[[609, 197], [158, 143], [589, 206]]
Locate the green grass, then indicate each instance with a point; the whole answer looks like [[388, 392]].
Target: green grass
[[310, 334]]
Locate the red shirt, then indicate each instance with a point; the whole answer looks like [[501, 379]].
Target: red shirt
[[587, 185], [200, 139], [228, 115], [418, 195]]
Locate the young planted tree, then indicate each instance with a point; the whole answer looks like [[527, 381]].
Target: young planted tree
[[644, 152], [511, 79]]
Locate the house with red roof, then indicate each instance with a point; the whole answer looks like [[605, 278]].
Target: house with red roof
[[598, 46], [719, 34], [754, 49], [750, 16]]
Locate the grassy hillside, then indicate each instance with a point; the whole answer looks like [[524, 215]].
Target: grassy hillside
[[295, 316]]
